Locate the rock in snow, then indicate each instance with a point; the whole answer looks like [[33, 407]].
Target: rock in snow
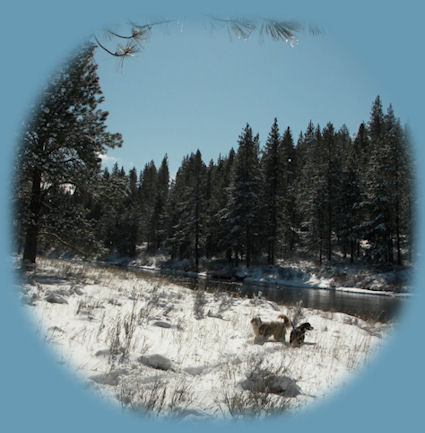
[[54, 298], [281, 385], [157, 361], [112, 378], [162, 324]]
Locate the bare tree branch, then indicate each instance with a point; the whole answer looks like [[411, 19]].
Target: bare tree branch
[[63, 242]]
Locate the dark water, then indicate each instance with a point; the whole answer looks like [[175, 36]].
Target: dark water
[[380, 308], [370, 307]]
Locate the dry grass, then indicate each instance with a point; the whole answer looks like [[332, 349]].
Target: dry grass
[[237, 377]]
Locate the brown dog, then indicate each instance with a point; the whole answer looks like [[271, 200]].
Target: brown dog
[[297, 334], [267, 329]]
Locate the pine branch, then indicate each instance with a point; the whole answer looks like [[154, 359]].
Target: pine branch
[[241, 28], [128, 50], [139, 35]]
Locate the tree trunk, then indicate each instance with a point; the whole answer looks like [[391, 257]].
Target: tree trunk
[[272, 241], [32, 229], [197, 247], [270, 255], [197, 212], [248, 247], [321, 248], [352, 249], [329, 234], [229, 255], [397, 228], [390, 250]]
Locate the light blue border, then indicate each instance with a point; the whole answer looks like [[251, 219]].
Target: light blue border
[[37, 394]]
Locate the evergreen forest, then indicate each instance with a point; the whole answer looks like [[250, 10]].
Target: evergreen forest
[[327, 194]]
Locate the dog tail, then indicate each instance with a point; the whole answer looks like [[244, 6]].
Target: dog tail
[[285, 319]]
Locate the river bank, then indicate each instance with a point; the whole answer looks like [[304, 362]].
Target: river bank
[[354, 278]]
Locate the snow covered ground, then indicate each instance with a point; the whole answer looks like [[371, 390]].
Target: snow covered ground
[[150, 344]]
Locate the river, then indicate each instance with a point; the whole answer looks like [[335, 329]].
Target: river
[[376, 307]]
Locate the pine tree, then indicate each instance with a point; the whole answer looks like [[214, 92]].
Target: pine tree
[[332, 175], [129, 217], [274, 190], [172, 215], [376, 122], [161, 194], [197, 203], [223, 229], [119, 212], [378, 227], [213, 193], [60, 150], [244, 208], [186, 217], [310, 189], [109, 194], [408, 199], [349, 202], [147, 195], [398, 176], [289, 216], [362, 148]]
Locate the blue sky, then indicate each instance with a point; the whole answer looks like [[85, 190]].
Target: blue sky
[[370, 47], [193, 87]]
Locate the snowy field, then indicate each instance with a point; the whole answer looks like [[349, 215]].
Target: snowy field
[[150, 344]]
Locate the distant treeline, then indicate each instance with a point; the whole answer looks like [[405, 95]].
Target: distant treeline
[[329, 195]]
